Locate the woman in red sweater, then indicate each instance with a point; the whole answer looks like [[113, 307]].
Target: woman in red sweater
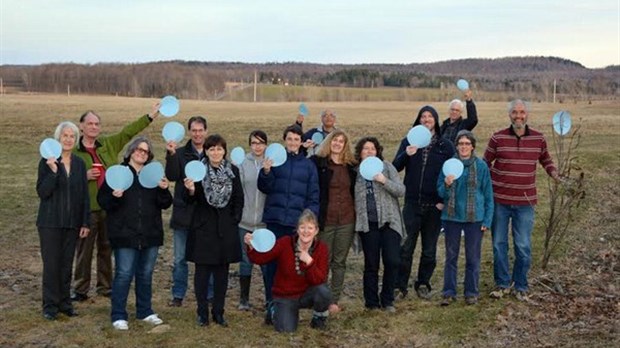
[[300, 277]]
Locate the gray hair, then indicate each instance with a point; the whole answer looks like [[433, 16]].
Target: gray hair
[[133, 145], [457, 101], [328, 111], [67, 124], [514, 103]]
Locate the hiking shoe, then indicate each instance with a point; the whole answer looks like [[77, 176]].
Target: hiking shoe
[[269, 315], [121, 325], [424, 292], [176, 302], [318, 323], [521, 296], [447, 300], [499, 293], [153, 319], [389, 309], [471, 300], [244, 306]]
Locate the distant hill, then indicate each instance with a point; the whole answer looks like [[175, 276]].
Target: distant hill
[[530, 77]]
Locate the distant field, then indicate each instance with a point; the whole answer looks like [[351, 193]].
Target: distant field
[[27, 119]]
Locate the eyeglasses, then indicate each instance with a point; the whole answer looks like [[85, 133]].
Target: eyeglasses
[[142, 151], [463, 143], [455, 110], [329, 115], [257, 143]]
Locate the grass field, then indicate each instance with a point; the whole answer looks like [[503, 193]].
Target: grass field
[[27, 119]]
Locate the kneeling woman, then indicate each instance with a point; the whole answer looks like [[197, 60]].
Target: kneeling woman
[[300, 279], [136, 232]]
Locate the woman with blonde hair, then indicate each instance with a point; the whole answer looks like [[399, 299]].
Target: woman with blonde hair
[[336, 170]]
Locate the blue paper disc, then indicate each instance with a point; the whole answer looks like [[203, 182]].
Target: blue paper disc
[[50, 148], [237, 155], [276, 153], [463, 85], [169, 106], [303, 109], [317, 138], [263, 240], [370, 167], [173, 131], [419, 136], [453, 166], [562, 122], [151, 174], [195, 170], [119, 177]]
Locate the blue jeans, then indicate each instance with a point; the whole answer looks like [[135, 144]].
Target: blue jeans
[[473, 243], [423, 221], [132, 263], [245, 266], [179, 269], [522, 222]]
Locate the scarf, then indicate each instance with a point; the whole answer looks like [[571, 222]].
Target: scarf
[[470, 169], [217, 184]]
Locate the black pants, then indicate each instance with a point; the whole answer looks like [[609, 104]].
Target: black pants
[[423, 221], [380, 244], [201, 285], [57, 250], [286, 311]]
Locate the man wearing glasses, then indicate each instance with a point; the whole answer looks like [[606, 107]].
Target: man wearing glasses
[[328, 124], [455, 122]]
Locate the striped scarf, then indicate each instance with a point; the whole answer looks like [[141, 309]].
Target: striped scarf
[[470, 169]]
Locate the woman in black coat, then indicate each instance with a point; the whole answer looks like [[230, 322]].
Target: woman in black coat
[[136, 232], [213, 239], [64, 214]]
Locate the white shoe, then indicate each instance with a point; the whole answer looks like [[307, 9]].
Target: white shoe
[[153, 319], [121, 325]]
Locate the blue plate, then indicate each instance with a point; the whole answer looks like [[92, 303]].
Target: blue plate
[[195, 170], [50, 148], [317, 138], [119, 177], [453, 166], [169, 106], [303, 109], [562, 122], [277, 153], [419, 136], [151, 175], [263, 240], [463, 85], [237, 155], [370, 167], [173, 131]]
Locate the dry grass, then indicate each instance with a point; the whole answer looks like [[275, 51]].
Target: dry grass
[[27, 119]]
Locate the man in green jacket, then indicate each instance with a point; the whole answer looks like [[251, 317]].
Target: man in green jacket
[[99, 153]]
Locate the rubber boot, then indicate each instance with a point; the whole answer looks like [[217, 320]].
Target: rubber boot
[[244, 293]]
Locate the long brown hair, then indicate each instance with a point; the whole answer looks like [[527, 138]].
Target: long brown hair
[[346, 157]]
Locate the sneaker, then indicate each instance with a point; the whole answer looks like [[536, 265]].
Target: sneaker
[[176, 302], [269, 316], [471, 300], [520, 296], [153, 319], [389, 309], [319, 323], [424, 292], [77, 297], [447, 300], [499, 293], [121, 325]]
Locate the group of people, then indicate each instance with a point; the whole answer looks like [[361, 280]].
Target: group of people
[[315, 203]]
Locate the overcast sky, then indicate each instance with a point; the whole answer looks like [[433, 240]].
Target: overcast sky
[[319, 31]]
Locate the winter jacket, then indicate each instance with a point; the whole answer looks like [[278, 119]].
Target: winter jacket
[[134, 219], [175, 171], [213, 237], [484, 195], [64, 198], [290, 188], [421, 176], [325, 175], [253, 199], [107, 148], [450, 130], [386, 200]]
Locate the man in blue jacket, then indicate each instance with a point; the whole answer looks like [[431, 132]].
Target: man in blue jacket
[[422, 210]]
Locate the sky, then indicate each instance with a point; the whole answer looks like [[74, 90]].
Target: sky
[[318, 31]]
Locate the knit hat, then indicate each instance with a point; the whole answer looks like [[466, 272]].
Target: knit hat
[[469, 135]]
